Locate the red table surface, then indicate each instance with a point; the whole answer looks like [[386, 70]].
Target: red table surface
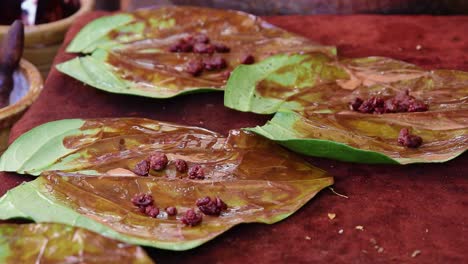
[[401, 208]]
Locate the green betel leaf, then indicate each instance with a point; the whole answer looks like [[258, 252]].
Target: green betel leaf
[[39, 148], [311, 96], [96, 146], [257, 179], [131, 53], [282, 77], [56, 243], [316, 135], [103, 204], [97, 31], [98, 159]]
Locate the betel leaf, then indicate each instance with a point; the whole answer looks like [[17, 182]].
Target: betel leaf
[[291, 73], [96, 146], [56, 243], [38, 148], [102, 204], [311, 94], [372, 140], [257, 179], [129, 53]]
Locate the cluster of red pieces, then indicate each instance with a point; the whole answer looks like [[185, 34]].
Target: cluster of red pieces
[[400, 103], [207, 205], [159, 161], [145, 203], [408, 140], [211, 206], [200, 44]]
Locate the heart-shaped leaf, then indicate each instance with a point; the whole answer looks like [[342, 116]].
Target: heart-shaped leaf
[[137, 53], [98, 145], [103, 204], [56, 243], [258, 180], [312, 93]]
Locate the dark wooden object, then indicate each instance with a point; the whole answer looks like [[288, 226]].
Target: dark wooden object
[[11, 53], [53, 10], [9, 11]]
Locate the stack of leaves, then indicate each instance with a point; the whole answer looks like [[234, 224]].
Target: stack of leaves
[[358, 110], [56, 243], [87, 180], [158, 53], [145, 182]]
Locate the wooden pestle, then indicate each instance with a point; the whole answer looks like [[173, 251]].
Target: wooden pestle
[[11, 53]]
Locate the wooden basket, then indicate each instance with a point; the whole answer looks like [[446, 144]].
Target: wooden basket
[[43, 41]]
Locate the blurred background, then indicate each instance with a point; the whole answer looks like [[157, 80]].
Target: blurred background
[[43, 11], [48, 20], [284, 7]]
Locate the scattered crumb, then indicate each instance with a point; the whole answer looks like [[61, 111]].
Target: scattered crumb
[[364, 251], [341, 195], [376, 246], [419, 47], [416, 253], [340, 231], [331, 216], [427, 230], [360, 227], [308, 238]]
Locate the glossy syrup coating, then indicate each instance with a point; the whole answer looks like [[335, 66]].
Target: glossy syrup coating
[[64, 244], [236, 169], [175, 55], [385, 96]]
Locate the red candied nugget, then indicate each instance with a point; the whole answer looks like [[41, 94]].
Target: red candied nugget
[[408, 140], [158, 161], [181, 165], [196, 172], [142, 200], [192, 218], [171, 211], [151, 211], [211, 206], [142, 168]]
